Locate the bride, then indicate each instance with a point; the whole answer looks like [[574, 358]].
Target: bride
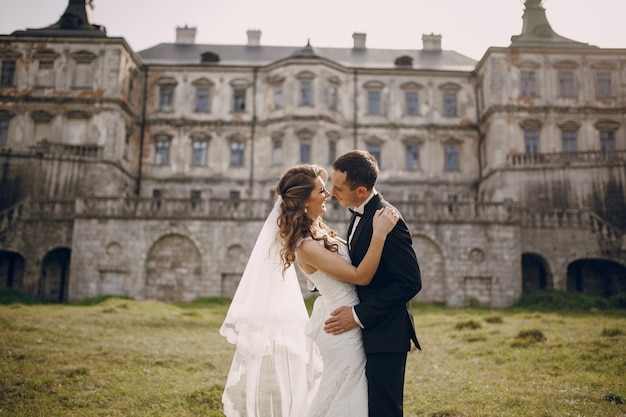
[[275, 369]]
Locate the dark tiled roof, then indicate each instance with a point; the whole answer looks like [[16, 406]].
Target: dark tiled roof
[[242, 55]]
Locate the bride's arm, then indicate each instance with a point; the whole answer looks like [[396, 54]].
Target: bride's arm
[[314, 255]]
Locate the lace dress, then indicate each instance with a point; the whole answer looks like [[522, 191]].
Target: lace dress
[[342, 390]]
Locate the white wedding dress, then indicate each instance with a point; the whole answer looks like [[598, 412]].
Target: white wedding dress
[[342, 391]]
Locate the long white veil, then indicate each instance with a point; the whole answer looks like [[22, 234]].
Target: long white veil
[[275, 366]]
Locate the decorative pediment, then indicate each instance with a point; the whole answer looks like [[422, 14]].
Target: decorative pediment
[[162, 135], [78, 115], [450, 87], [569, 125], [305, 76], [46, 55], [411, 86], [83, 57], [530, 124], [240, 83], [528, 65], [167, 81], [610, 125], [412, 140], [5, 114], [333, 135], [200, 136], [374, 140], [277, 135], [275, 79], [334, 80], [373, 85], [603, 66], [565, 65], [452, 141], [236, 137], [202, 82], [9, 55], [42, 116], [305, 133]]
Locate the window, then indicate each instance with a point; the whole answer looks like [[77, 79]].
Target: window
[[373, 102], [452, 158], [239, 100], [84, 69], [375, 149], [199, 152], [166, 97], [305, 93], [569, 141], [278, 96], [332, 151], [332, 97], [7, 74], [603, 84], [162, 152], [449, 104], [4, 132], [531, 141], [527, 87], [566, 83], [410, 102], [412, 157], [45, 73], [277, 152], [305, 151], [196, 194], [607, 141], [157, 193], [202, 99], [236, 154], [126, 151]]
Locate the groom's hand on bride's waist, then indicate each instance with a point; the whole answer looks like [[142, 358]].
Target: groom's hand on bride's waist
[[341, 320]]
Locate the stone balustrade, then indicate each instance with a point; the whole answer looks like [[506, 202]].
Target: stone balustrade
[[565, 158], [45, 147]]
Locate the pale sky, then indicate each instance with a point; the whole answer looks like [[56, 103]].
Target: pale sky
[[468, 27]]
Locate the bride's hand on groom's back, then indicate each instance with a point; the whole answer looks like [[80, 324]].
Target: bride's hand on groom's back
[[385, 220]]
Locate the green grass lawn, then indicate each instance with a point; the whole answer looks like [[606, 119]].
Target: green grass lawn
[[122, 357]]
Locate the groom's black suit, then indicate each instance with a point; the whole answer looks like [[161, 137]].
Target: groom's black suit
[[385, 312]]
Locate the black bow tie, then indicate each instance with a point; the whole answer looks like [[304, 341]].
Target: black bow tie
[[355, 213]]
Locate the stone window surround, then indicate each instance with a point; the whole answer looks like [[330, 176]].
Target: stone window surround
[[10, 55], [203, 83]]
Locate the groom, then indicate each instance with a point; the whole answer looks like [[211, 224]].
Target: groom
[[384, 312]]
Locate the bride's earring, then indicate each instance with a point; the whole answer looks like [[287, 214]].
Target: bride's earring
[[306, 209]]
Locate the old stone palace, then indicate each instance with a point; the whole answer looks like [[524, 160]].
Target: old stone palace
[[148, 174]]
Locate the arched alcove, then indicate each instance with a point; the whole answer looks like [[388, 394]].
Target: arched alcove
[[597, 277], [173, 270], [55, 274], [535, 274], [431, 264], [11, 269]]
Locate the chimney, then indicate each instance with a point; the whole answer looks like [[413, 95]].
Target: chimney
[[254, 37], [185, 35], [359, 40], [431, 42]]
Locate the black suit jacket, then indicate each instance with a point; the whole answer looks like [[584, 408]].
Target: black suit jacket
[[384, 308]]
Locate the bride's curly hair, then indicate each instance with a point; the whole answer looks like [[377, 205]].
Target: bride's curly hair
[[295, 187]]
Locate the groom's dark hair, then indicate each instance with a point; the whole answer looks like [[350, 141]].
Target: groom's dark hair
[[360, 167]]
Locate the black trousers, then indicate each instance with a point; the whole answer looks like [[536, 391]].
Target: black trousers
[[385, 383]]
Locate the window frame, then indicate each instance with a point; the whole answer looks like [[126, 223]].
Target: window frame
[[451, 157], [237, 153], [162, 146], [199, 152]]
